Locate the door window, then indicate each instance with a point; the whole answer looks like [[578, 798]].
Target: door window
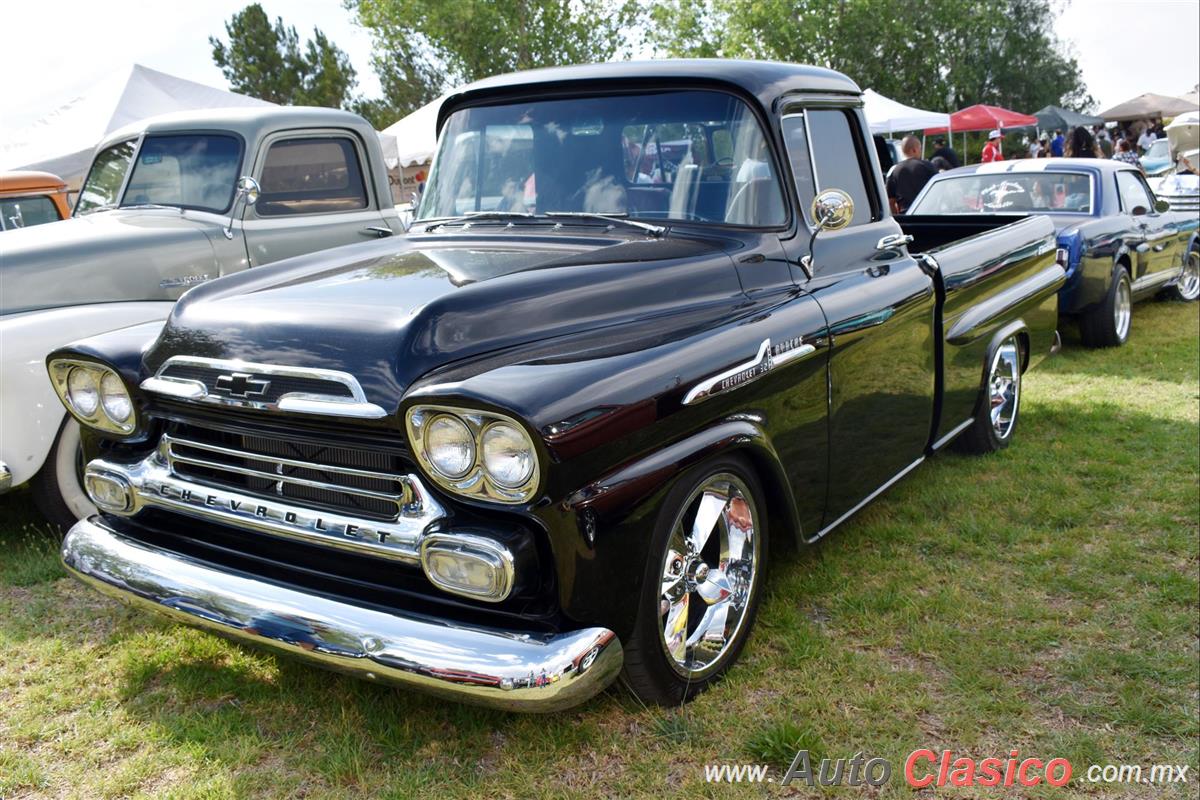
[[312, 175], [1133, 192], [105, 178], [836, 159], [22, 212]]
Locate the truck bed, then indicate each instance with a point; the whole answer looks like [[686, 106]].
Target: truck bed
[[996, 275]]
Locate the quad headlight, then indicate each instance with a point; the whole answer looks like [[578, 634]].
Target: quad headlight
[[477, 454], [94, 394]]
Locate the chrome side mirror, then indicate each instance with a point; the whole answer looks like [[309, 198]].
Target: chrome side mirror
[[832, 210], [247, 194]]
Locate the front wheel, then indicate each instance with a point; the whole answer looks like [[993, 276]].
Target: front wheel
[[1107, 325], [58, 487], [1187, 288], [702, 584], [996, 419]]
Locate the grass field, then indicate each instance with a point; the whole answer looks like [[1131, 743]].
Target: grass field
[[1043, 599]]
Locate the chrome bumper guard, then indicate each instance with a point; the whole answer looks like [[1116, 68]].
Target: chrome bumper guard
[[500, 669]]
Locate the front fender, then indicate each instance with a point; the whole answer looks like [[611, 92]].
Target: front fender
[[601, 532], [31, 413]]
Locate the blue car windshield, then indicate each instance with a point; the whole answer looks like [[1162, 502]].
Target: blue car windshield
[[672, 155], [1007, 193], [197, 171]]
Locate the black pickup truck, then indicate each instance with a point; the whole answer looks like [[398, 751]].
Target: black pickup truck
[[652, 322]]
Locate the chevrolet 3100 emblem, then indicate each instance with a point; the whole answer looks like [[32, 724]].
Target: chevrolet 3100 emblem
[[769, 357], [241, 384]]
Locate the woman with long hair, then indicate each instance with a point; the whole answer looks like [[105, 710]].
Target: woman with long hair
[[1081, 144]]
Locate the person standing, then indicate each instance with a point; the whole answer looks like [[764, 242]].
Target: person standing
[[1125, 153], [1081, 144], [1034, 147], [1057, 144], [908, 178], [1102, 139], [991, 150], [945, 151], [1146, 139]]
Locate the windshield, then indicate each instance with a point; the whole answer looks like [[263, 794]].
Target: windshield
[[188, 171], [105, 178], [1007, 193], [687, 155], [1158, 149]]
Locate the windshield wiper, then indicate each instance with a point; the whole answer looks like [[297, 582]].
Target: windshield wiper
[[653, 230]]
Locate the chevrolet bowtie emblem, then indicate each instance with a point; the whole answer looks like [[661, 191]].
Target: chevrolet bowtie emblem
[[241, 384]]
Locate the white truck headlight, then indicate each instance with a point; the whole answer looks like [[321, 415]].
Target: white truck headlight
[[481, 455], [508, 456], [94, 394], [450, 446]]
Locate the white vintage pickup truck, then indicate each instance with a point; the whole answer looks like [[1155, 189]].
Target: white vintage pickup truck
[[168, 204]]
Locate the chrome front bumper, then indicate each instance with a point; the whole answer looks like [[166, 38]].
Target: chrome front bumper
[[496, 668]]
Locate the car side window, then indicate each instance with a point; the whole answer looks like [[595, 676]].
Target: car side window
[[22, 212], [311, 175], [826, 152], [1133, 192]]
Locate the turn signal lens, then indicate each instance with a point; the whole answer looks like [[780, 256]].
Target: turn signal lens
[[469, 565]]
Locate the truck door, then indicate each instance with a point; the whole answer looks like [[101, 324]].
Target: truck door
[[315, 194], [879, 305]]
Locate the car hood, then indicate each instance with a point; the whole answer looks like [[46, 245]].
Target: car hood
[[102, 257], [389, 312]]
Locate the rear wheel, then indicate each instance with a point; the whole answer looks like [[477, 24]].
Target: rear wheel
[[1187, 288], [702, 584], [996, 419], [1108, 324], [58, 487]]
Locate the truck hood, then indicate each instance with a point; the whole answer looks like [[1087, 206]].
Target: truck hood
[[102, 257], [389, 312]]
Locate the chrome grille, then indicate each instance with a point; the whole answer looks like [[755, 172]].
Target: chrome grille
[[364, 483]]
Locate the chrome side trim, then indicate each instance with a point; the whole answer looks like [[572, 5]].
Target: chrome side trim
[[503, 669], [5, 478], [153, 485], [768, 358], [355, 406], [894, 479], [949, 437]]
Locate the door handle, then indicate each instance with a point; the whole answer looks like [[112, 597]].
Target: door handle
[[894, 241], [1158, 248], [378, 231]]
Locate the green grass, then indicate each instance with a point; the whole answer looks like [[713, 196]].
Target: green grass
[[1044, 598]]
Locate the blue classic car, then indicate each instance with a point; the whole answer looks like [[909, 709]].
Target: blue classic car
[[1157, 160], [1116, 240]]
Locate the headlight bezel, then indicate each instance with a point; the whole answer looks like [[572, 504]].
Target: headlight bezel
[[477, 483], [61, 370]]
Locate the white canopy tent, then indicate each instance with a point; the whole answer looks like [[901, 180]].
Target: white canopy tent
[[415, 136], [885, 115], [62, 141]]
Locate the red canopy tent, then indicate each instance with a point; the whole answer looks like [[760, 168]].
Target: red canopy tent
[[983, 118]]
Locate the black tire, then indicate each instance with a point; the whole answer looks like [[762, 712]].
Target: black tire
[[650, 671], [1187, 287], [1109, 323], [999, 405], [57, 489]]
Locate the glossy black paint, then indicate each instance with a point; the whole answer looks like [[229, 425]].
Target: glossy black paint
[[593, 337]]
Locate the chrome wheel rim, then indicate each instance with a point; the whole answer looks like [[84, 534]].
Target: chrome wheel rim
[[708, 575], [1122, 309], [1189, 281], [1004, 387]]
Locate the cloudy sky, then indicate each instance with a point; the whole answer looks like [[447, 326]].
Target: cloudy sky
[[1124, 47]]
